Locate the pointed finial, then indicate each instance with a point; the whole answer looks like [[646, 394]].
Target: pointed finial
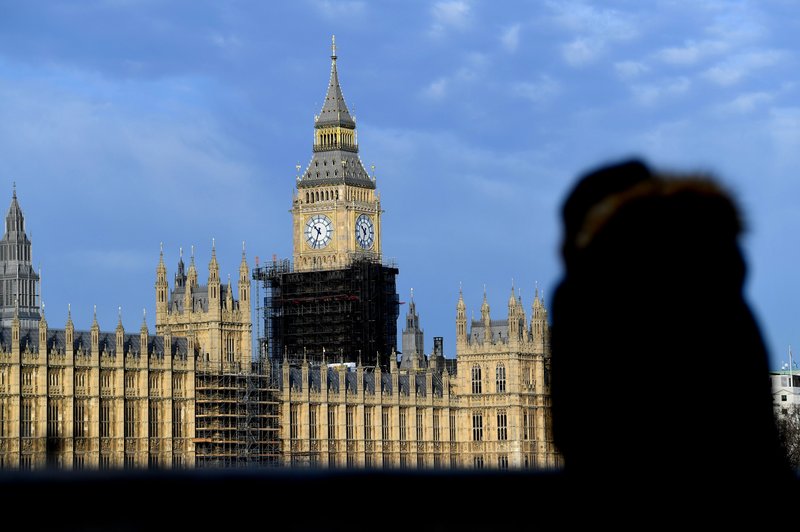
[[181, 252], [119, 313], [333, 47], [144, 315], [95, 313], [69, 310], [192, 253], [229, 281], [14, 190], [161, 248], [536, 293], [412, 295], [243, 249], [213, 245]]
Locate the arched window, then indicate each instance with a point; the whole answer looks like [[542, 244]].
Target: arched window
[[502, 425], [500, 378], [477, 426], [476, 379]]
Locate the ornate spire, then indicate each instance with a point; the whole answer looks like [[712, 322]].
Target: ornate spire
[[244, 270], [15, 221], [161, 269], [334, 111], [485, 305], [213, 265], [335, 159]]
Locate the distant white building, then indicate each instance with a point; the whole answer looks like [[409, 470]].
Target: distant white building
[[785, 388]]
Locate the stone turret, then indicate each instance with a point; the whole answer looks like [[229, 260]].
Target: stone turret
[[413, 355], [19, 283], [461, 319], [208, 316]]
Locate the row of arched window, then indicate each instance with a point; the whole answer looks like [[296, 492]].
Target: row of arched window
[[502, 425], [499, 382], [312, 196], [329, 139]]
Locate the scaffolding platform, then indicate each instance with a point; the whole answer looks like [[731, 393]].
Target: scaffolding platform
[[336, 315]]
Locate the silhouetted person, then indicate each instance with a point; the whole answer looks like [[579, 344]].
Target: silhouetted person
[[659, 372]]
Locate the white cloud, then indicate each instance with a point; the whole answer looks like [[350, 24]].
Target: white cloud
[[450, 14], [436, 90], [473, 65], [581, 51], [593, 30], [691, 52], [785, 130], [649, 94], [738, 23], [735, 68], [630, 69], [582, 18], [510, 38], [540, 91], [746, 103]]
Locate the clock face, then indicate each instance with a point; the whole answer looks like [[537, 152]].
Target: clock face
[[365, 231], [319, 230]]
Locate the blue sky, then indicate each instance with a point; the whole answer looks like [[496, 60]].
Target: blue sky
[[127, 123]]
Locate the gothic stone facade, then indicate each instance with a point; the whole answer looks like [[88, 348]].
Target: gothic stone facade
[[88, 399], [490, 409]]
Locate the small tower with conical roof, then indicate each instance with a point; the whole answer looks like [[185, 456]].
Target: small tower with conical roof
[[413, 354], [162, 288], [461, 319], [214, 286], [486, 319], [539, 326], [19, 282], [514, 327]]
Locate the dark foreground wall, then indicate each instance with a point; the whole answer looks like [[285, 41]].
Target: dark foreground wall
[[237, 500]]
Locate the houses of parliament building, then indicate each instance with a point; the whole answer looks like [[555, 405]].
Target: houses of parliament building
[[191, 392]]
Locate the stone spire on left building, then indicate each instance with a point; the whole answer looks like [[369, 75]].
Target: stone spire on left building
[[19, 282]]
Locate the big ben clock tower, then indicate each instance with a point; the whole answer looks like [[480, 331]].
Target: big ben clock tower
[[336, 211], [337, 299]]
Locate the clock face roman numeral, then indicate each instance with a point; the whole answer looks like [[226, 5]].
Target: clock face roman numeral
[[318, 231], [365, 231]]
